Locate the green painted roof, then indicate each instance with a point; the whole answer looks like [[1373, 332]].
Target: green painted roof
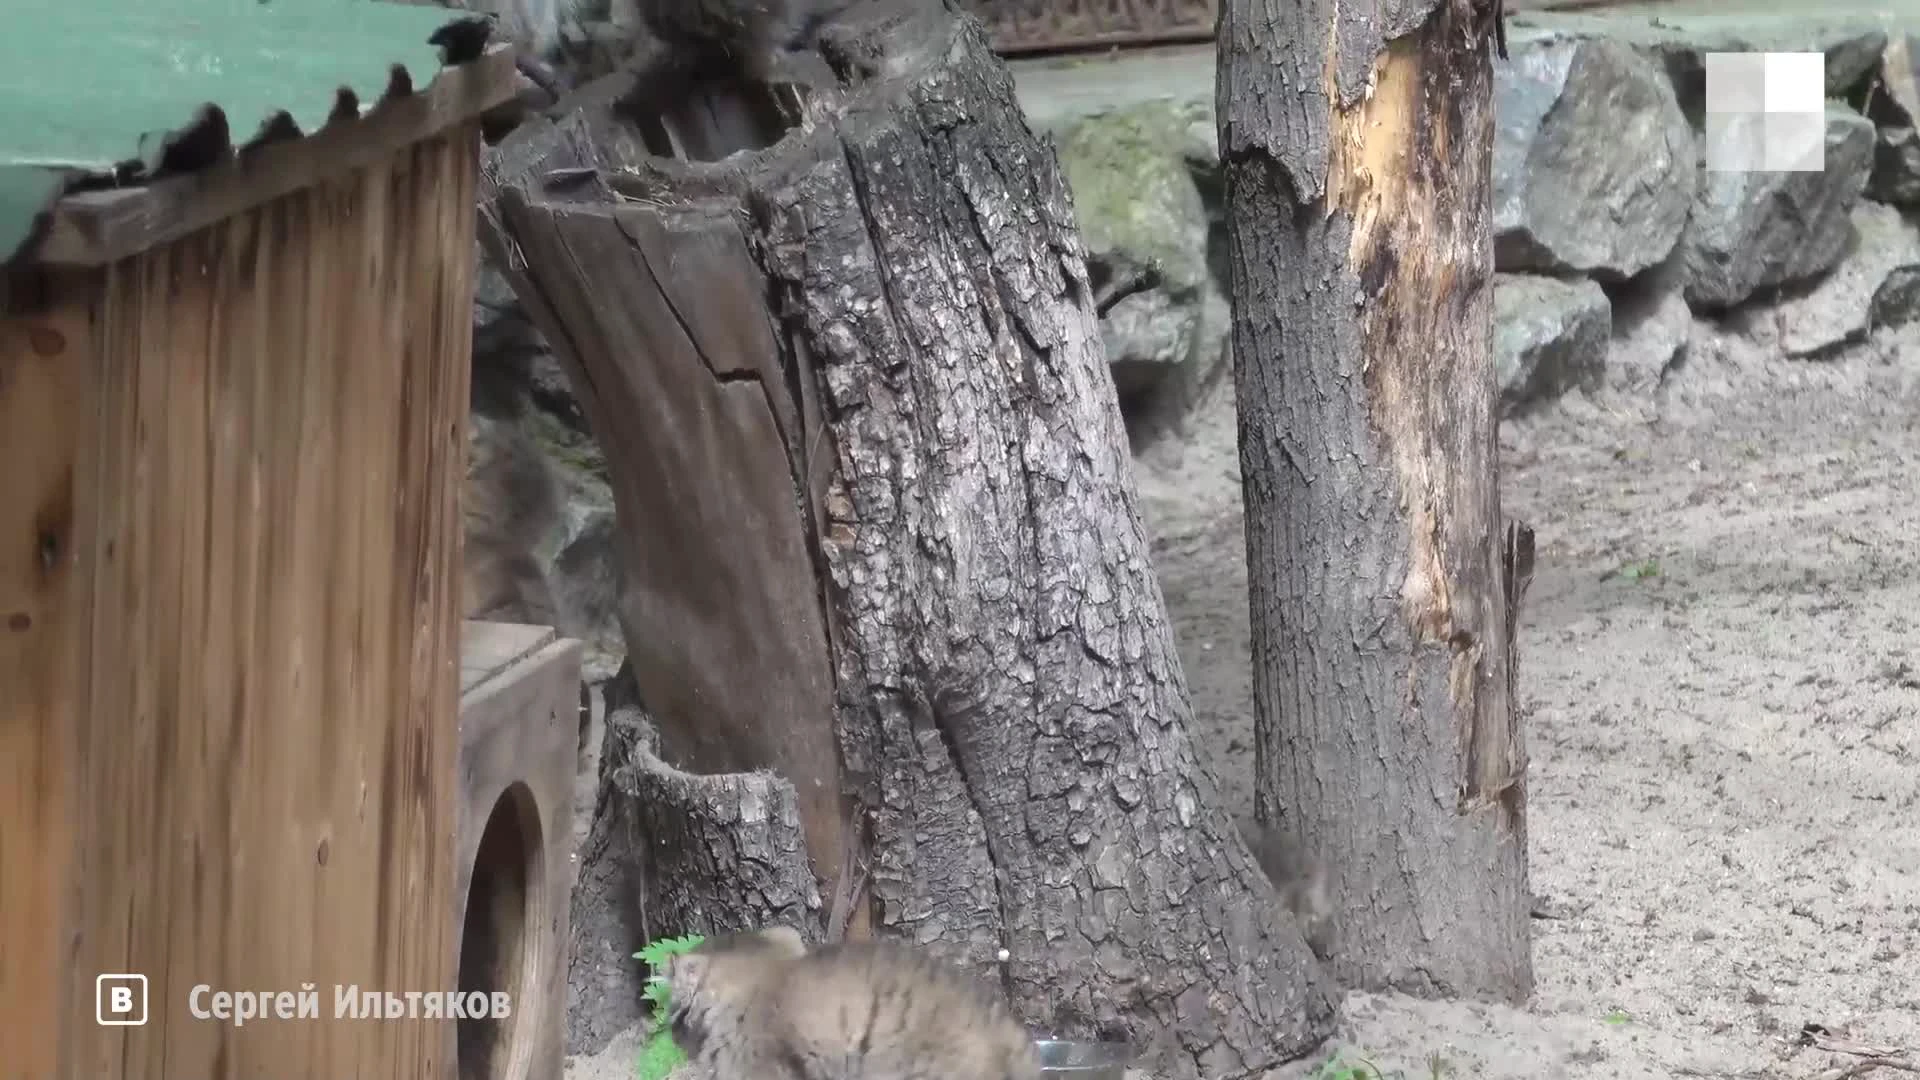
[[86, 85]]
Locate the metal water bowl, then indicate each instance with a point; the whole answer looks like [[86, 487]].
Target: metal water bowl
[[1067, 1059]]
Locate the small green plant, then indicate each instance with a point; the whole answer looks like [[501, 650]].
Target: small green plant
[[1340, 1067], [661, 1055], [1618, 1016], [1640, 571]]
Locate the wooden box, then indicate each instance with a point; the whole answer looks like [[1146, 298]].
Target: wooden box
[[232, 412], [518, 759]]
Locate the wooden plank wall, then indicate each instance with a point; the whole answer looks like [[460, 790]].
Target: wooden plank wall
[[44, 401], [258, 651]]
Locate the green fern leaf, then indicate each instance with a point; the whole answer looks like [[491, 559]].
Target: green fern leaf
[[655, 954], [659, 1057]]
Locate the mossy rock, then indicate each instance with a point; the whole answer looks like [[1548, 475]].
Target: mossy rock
[[1133, 189]]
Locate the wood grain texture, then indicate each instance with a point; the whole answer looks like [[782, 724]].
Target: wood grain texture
[[674, 362], [45, 422], [671, 350], [267, 437], [1387, 735]]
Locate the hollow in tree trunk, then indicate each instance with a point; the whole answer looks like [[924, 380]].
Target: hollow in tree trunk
[[861, 433], [1387, 738]]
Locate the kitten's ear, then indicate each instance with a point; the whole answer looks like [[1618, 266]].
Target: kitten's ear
[[685, 969], [785, 939]]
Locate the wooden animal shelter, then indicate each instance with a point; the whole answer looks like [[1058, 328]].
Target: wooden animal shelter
[[235, 330]]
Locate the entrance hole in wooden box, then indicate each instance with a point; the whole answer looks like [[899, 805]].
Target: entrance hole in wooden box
[[497, 943]]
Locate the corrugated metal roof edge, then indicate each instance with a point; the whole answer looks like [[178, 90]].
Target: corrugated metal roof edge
[[30, 194]]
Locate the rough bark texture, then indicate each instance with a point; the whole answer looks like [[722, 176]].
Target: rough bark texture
[[662, 842], [608, 925], [1011, 717], [1358, 141], [730, 843]]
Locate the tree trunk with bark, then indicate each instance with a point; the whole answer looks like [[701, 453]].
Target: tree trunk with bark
[[1383, 582], [880, 537]]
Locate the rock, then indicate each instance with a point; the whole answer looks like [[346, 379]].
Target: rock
[[1136, 202], [1897, 301], [1852, 52], [1895, 177], [586, 579], [1678, 44], [1759, 230], [1202, 146], [1549, 336], [517, 378], [1839, 310], [1852, 49], [490, 289], [1593, 163], [1892, 102], [1894, 96], [1650, 333], [1148, 335]]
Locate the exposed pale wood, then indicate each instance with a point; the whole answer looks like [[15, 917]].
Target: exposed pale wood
[[94, 228], [45, 422], [518, 739], [262, 678], [1387, 738]]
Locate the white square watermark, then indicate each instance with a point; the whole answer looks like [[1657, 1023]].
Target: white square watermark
[[120, 1000], [1766, 112]]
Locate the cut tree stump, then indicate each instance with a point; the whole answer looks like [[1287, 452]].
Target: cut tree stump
[[662, 841], [1387, 740], [880, 539]]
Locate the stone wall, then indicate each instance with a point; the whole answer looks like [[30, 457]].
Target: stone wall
[[1611, 236]]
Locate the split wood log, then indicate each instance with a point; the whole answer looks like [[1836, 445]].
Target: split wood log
[[880, 535], [1388, 741], [661, 842]]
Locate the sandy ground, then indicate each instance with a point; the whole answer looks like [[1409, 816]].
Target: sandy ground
[[1724, 740], [1725, 801]]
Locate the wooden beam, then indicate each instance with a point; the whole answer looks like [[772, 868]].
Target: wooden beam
[[97, 227]]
